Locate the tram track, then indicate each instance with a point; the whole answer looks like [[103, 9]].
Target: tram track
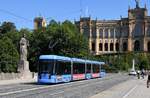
[[28, 86], [24, 90]]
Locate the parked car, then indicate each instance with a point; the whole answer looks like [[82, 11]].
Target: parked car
[[133, 72]]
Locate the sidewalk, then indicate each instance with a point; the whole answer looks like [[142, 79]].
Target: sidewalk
[[135, 88], [17, 81]]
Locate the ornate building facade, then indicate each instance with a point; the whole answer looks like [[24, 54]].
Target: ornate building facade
[[118, 36]]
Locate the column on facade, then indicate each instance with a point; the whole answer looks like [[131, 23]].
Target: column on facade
[[145, 44], [103, 41], [97, 41], [90, 44], [145, 34], [145, 28], [120, 45], [129, 44], [90, 39], [109, 40], [114, 34], [90, 30], [129, 38], [96, 46], [120, 40]]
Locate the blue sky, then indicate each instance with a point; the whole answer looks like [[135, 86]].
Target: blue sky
[[22, 12]]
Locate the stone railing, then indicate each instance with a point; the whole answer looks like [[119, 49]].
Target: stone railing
[[10, 76]]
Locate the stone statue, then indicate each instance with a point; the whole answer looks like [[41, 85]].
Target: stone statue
[[23, 67], [23, 48], [137, 3]]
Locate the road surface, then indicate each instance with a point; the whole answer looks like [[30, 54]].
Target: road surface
[[134, 88], [78, 89]]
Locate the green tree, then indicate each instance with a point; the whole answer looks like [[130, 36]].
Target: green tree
[[143, 61], [7, 27], [8, 55]]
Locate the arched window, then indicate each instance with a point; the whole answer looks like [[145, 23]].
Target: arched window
[[111, 46], [100, 46], [117, 33], [148, 31], [93, 46], [136, 45], [125, 46], [101, 33], [148, 46], [106, 46], [106, 33], [117, 46], [93, 33]]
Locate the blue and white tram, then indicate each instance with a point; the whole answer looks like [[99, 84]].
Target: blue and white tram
[[56, 69]]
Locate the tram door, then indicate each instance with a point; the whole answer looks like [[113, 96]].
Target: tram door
[[78, 71]]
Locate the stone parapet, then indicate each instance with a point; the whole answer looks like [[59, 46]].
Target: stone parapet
[[9, 76]]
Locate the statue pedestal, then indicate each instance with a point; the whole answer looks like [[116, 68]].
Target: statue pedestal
[[26, 75], [24, 70]]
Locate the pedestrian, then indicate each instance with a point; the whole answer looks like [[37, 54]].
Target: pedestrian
[[142, 73], [148, 79], [138, 74]]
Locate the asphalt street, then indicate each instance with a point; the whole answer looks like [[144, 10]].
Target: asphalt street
[[77, 89], [134, 88]]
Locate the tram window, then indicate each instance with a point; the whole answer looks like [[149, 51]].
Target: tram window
[[88, 70], [63, 67], [96, 68], [102, 67], [46, 66], [78, 68]]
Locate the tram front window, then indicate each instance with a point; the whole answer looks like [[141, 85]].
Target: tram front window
[[46, 66]]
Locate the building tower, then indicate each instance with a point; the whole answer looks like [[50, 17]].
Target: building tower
[[138, 22], [39, 22]]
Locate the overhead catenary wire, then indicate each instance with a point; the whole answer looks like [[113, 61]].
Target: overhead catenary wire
[[47, 18], [15, 15], [66, 13]]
